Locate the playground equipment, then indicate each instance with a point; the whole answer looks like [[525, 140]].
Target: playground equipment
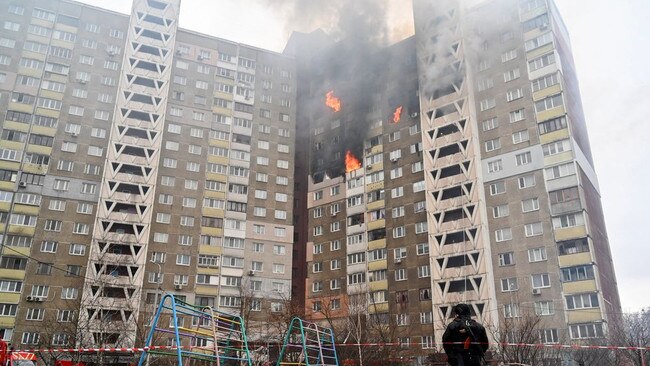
[[308, 344], [212, 338]]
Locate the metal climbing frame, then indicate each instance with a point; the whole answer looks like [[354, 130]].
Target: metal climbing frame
[[308, 344], [213, 338]]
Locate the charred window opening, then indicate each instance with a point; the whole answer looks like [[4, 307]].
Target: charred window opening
[[377, 234], [445, 110], [573, 246], [242, 139], [356, 219], [125, 208], [136, 132], [129, 188]]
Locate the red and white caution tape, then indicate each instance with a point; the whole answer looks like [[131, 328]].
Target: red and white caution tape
[[393, 344]]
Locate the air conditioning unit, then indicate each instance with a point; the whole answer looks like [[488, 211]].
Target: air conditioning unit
[[251, 273], [38, 299], [178, 287], [537, 291], [81, 81], [398, 261], [22, 184], [29, 299], [74, 134], [394, 160]]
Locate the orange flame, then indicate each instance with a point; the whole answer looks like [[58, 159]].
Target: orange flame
[[351, 162], [332, 101], [397, 114]]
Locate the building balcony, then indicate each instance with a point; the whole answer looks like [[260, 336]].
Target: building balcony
[[377, 265], [584, 316], [381, 307], [577, 287], [570, 233], [377, 244], [574, 259], [377, 224], [12, 274]]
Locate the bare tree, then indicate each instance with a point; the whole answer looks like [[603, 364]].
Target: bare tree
[[632, 330], [523, 330]]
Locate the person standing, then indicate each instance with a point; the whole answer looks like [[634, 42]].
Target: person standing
[[465, 340]]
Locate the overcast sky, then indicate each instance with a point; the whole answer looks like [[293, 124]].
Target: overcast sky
[[611, 50]]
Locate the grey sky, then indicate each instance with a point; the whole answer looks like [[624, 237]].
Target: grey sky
[[611, 51]]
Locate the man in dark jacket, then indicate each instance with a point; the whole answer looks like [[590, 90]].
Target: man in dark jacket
[[465, 340]]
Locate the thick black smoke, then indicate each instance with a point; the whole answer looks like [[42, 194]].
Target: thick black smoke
[[354, 66]]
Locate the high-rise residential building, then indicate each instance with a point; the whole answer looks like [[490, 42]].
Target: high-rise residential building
[[137, 158], [472, 179]]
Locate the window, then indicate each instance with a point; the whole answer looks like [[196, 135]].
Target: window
[[485, 84], [515, 94], [401, 274], [88, 188], [95, 150], [550, 102], [77, 249], [548, 336], [503, 234], [497, 188], [533, 229], [500, 211], [506, 259], [182, 259], [511, 310], [560, 171], [530, 204], [526, 181], [397, 192], [509, 284], [545, 82], [523, 159], [516, 116], [80, 228], [486, 104], [492, 145], [582, 301], [495, 166], [539, 41], [540, 62], [511, 75], [568, 220], [49, 246], [541, 280], [490, 124], [556, 147], [520, 136], [577, 273], [537, 254], [509, 55], [399, 232], [544, 308]]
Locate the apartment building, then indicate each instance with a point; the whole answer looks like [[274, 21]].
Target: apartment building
[[138, 158], [483, 193]]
